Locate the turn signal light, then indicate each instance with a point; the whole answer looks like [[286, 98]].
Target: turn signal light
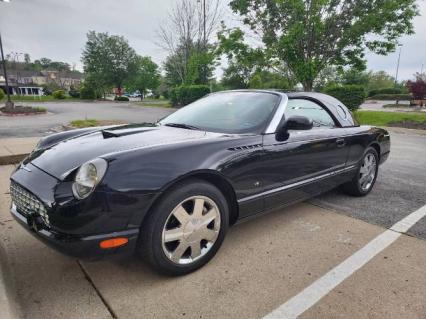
[[113, 243]]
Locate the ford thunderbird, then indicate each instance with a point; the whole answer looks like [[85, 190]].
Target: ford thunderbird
[[170, 190]]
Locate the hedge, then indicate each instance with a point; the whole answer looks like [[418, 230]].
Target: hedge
[[121, 99], [391, 97], [350, 95], [186, 94], [73, 92], [87, 93], [59, 95], [1, 94], [385, 91]]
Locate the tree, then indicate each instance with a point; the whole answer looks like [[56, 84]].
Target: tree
[[418, 87], [27, 58], [380, 80], [182, 36], [45, 62], [109, 59], [309, 35], [236, 76], [355, 76], [249, 67], [147, 76]]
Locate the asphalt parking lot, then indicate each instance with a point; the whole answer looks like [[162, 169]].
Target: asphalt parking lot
[[60, 113], [262, 265]]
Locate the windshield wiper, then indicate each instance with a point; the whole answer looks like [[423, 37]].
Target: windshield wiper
[[182, 125]]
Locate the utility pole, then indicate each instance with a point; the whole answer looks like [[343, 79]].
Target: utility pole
[[9, 103]]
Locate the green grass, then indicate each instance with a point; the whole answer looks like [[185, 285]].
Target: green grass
[[396, 105], [149, 99], [40, 109], [85, 123], [379, 118], [154, 103]]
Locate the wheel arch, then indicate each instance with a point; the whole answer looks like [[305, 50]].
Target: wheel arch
[[210, 176], [376, 146]]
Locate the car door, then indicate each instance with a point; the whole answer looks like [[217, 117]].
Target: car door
[[306, 163]]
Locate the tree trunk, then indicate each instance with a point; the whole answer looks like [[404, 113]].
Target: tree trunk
[[307, 86]]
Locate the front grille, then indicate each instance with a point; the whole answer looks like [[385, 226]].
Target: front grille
[[27, 203]]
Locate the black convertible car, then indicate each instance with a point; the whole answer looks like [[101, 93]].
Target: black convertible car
[[170, 190]]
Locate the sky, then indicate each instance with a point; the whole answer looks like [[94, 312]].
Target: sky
[[57, 29]]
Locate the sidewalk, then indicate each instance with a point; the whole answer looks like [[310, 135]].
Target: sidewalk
[[13, 150]]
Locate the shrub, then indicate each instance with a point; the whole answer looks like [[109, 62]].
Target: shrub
[[173, 96], [59, 94], [121, 98], [73, 92], [385, 91], [186, 94], [391, 97], [350, 95], [417, 88], [87, 93], [1, 94]]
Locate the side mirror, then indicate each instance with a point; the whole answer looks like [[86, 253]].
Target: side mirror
[[293, 123]]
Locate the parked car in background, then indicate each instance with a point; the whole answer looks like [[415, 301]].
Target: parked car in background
[[170, 190], [135, 95]]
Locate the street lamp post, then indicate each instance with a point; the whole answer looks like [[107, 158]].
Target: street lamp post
[[397, 65], [397, 69], [9, 103], [204, 70]]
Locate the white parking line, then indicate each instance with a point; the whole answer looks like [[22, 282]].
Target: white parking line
[[321, 287]]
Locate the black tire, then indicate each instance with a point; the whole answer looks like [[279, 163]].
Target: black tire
[[150, 245], [354, 186]]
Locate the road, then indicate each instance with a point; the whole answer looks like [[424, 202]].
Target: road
[[64, 112]]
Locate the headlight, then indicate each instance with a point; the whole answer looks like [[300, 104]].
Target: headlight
[[88, 176]]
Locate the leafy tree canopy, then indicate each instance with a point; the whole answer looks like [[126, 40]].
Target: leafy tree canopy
[[147, 76], [109, 59], [308, 36]]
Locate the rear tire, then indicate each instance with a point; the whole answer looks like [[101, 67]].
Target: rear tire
[[366, 175], [185, 228]]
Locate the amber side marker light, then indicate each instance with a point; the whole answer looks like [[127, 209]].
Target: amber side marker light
[[113, 243]]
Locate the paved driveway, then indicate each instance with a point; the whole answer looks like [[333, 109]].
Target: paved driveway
[[65, 112]]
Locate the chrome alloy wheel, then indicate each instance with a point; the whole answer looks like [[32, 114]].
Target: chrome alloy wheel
[[191, 230], [367, 173]]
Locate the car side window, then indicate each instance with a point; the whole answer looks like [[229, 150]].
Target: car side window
[[311, 110]]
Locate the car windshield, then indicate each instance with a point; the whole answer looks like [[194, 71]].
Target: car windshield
[[227, 112]]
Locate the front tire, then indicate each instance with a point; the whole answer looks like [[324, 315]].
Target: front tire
[[366, 175], [185, 228]]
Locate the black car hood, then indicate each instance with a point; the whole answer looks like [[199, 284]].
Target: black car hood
[[69, 154]]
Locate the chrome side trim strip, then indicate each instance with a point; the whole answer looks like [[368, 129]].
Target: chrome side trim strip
[[300, 183], [279, 113]]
